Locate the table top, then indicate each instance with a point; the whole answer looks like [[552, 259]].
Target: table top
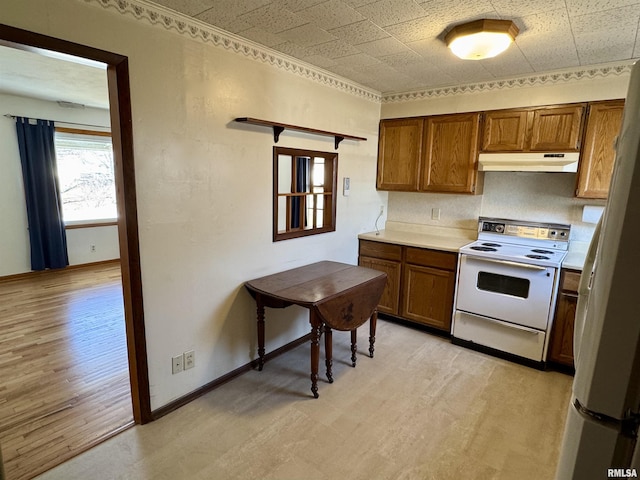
[[315, 283]]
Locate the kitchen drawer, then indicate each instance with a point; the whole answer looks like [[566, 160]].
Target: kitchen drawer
[[431, 258], [502, 336], [569, 280], [387, 251]]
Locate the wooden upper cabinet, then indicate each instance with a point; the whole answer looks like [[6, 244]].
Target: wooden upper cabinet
[[557, 128], [546, 129], [598, 154], [399, 153], [504, 131], [450, 153]]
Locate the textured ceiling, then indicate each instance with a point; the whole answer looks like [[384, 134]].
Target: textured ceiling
[[390, 46], [53, 77], [396, 45]]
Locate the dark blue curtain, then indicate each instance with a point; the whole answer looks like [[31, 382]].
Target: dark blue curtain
[[44, 206], [302, 175]]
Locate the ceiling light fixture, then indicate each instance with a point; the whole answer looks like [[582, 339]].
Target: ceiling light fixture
[[481, 38]]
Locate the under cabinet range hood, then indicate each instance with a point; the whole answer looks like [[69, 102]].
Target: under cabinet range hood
[[528, 162]]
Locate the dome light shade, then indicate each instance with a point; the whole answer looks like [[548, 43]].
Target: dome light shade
[[481, 38]]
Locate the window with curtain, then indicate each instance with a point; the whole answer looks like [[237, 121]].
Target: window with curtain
[[85, 175]]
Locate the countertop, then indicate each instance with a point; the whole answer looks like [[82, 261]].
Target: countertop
[[576, 255], [451, 239], [446, 239]]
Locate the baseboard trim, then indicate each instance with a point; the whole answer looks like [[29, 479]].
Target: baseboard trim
[[189, 397], [415, 325], [33, 273]]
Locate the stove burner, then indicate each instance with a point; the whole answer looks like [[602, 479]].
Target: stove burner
[[487, 244], [537, 257], [544, 252], [483, 249]]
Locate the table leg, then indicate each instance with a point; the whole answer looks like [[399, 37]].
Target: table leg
[[260, 308], [372, 331], [354, 346], [316, 326], [328, 351]]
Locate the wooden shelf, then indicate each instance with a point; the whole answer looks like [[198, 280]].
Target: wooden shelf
[[278, 128]]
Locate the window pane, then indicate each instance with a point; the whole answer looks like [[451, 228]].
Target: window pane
[[310, 209], [86, 177], [319, 212], [302, 174], [491, 282], [318, 172], [284, 173]]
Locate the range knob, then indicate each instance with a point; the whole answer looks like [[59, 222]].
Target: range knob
[[553, 233], [499, 228]]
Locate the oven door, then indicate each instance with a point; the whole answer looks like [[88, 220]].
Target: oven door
[[514, 292]]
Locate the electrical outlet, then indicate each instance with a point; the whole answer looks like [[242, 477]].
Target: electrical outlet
[[189, 359], [381, 209], [92, 248], [176, 364], [435, 214]]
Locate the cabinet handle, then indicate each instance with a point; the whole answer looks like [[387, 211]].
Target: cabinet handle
[[507, 262], [513, 326]]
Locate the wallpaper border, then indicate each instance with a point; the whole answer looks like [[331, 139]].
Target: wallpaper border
[[158, 15]]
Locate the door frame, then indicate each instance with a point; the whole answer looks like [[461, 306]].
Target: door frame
[[122, 138]]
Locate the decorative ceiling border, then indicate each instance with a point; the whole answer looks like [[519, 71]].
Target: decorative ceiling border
[[176, 22], [158, 15], [551, 78]]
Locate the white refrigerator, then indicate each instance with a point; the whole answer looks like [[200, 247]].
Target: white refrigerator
[[600, 437]]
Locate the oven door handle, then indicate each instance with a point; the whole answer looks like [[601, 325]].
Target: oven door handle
[[513, 325], [512, 264]]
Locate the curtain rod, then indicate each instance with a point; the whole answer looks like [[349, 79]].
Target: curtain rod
[[9, 115]]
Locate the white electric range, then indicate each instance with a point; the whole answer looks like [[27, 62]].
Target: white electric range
[[507, 286]]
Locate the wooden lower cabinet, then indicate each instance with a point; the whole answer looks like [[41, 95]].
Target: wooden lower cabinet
[[387, 258], [428, 296], [561, 346], [390, 300], [420, 283]]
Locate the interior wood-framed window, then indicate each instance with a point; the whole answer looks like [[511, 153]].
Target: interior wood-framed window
[[304, 192]]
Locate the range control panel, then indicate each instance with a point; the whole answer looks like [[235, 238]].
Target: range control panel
[[541, 231]]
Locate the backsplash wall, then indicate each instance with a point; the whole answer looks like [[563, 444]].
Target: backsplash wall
[[516, 195]]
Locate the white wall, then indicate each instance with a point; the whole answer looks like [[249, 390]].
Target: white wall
[[14, 235], [204, 183], [524, 196]]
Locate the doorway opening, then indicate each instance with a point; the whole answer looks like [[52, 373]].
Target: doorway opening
[[127, 273]]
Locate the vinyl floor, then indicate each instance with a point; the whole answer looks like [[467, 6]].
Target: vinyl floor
[[422, 408]]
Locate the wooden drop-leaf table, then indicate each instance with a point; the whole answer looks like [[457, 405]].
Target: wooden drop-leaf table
[[339, 296]]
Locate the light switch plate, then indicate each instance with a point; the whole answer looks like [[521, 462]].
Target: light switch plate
[[346, 186]]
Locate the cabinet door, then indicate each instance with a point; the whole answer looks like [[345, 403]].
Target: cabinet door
[[504, 131], [596, 161], [450, 153], [399, 153], [390, 299], [428, 296], [561, 349], [557, 128]]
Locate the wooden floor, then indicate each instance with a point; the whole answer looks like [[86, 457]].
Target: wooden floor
[[64, 382]]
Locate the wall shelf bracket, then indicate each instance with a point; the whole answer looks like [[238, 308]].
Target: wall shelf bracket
[[276, 133], [278, 128]]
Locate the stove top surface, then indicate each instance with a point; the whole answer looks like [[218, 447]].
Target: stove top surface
[[529, 254]]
